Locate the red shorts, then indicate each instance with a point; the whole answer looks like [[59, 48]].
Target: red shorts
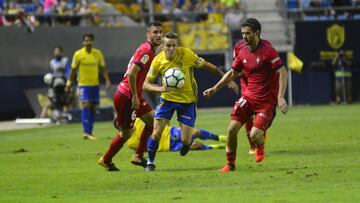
[[243, 110], [125, 115]]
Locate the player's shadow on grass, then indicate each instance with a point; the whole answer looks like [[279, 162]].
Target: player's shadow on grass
[[310, 151], [290, 168], [190, 169]]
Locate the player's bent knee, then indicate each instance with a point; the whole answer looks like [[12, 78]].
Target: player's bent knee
[[257, 136], [156, 134], [148, 119], [126, 133]]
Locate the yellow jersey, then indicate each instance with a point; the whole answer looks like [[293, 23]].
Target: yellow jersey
[[88, 64], [185, 60], [164, 143]]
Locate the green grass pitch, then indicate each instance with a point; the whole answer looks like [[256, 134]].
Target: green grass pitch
[[312, 156]]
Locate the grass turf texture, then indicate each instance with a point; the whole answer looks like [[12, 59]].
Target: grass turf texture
[[312, 156]]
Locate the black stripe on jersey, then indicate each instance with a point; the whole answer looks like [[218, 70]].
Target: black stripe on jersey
[[139, 64], [279, 66], [235, 69]]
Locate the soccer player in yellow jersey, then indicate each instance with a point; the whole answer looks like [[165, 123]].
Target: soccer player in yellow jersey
[[90, 62], [183, 99]]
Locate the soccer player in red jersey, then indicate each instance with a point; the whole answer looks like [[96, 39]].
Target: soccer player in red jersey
[[259, 63], [128, 101], [243, 85]]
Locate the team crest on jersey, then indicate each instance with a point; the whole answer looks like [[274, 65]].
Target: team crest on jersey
[[144, 59], [198, 61], [244, 61], [257, 60]]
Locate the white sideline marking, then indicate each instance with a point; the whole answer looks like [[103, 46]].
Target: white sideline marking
[[32, 121]]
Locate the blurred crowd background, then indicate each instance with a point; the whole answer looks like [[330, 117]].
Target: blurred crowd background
[[98, 12], [308, 34]]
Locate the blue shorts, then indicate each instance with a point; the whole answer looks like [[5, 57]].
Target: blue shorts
[[186, 112], [175, 139], [89, 93]]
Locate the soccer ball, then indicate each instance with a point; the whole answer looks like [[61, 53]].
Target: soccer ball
[[48, 77], [174, 77]]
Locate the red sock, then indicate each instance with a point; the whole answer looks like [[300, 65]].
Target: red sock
[[141, 148], [231, 157], [248, 126], [114, 148]]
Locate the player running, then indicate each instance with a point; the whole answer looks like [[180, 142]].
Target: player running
[[183, 100], [260, 64], [128, 100], [243, 84]]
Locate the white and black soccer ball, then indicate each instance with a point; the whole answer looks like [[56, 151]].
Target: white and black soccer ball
[[174, 78], [48, 77]]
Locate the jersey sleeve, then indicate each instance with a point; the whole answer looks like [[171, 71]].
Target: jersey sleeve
[[154, 69], [274, 59], [142, 58], [193, 58], [75, 62], [101, 59], [199, 62], [237, 64]]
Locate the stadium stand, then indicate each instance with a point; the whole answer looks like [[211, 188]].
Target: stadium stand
[[275, 27], [128, 17]]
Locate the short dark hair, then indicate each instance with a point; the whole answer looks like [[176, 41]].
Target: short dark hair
[[253, 23], [154, 23], [90, 35], [58, 47], [171, 35]]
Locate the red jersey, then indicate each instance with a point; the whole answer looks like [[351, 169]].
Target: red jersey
[[142, 57], [259, 68]]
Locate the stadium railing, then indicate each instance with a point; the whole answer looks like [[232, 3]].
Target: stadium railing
[[325, 13]]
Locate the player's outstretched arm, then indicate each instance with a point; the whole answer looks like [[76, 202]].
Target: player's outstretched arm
[[229, 76], [150, 86], [282, 88], [213, 69]]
